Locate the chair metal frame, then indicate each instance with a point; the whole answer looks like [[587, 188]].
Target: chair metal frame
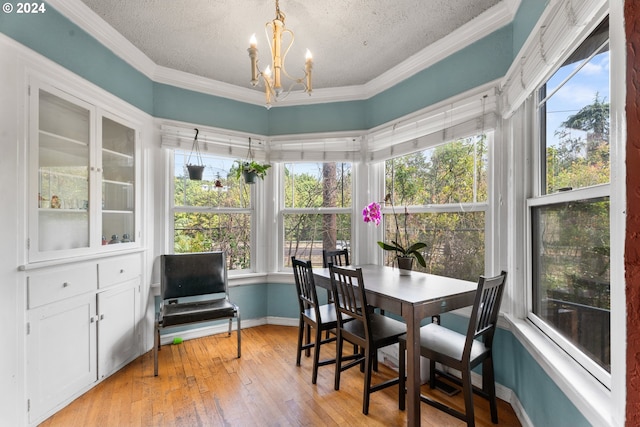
[[187, 298], [361, 326], [463, 352]]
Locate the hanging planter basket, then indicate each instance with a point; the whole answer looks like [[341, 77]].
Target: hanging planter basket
[[249, 176], [250, 170], [195, 170]]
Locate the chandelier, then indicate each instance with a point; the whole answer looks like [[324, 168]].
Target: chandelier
[[273, 75]]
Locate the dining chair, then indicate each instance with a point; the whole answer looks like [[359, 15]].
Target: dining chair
[[361, 326], [463, 352], [338, 257], [312, 315]]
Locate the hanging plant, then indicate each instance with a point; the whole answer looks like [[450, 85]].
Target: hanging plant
[[250, 169], [195, 170]]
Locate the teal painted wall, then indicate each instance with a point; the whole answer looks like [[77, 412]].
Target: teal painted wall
[[170, 102], [523, 23], [329, 117], [481, 62]]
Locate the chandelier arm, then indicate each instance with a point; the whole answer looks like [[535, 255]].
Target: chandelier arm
[[286, 51]]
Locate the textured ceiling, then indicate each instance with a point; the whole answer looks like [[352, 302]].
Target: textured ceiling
[[352, 41]]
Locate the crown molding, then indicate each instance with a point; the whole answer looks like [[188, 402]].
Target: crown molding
[[481, 26]]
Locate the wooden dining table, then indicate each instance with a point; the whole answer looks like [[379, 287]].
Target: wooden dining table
[[414, 297]]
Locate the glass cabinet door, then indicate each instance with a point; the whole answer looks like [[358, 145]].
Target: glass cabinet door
[[63, 158], [118, 182]]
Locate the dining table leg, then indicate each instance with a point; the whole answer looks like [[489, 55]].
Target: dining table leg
[[413, 366]]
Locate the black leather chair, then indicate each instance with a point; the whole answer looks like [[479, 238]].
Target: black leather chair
[[463, 352], [361, 326], [194, 289]]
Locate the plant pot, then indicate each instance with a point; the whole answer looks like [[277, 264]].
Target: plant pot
[[249, 177], [195, 172], [405, 265]]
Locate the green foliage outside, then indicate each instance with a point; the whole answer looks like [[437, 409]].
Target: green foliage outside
[[199, 228], [316, 186], [449, 174], [572, 239]]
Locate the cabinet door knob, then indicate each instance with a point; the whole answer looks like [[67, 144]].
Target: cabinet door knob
[[66, 284], [121, 270]]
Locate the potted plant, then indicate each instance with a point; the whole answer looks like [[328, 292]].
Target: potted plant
[[250, 170], [405, 252], [195, 170]]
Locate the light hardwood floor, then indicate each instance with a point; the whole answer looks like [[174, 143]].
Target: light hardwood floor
[[202, 383]]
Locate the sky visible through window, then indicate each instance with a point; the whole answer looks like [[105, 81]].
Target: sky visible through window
[[578, 92]]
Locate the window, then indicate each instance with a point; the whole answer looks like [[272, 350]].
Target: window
[[570, 214], [317, 209], [212, 214], [440, 198]]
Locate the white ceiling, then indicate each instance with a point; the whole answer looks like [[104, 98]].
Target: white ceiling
[[353, 42]]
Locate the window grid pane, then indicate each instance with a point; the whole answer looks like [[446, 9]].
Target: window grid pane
[[455, 242], [306, 235], [316, 185], [196, 227], [571, 273]]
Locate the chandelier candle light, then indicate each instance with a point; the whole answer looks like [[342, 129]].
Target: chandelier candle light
[[276, 71]]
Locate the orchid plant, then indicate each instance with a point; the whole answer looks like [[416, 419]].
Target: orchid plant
[[373, 214]]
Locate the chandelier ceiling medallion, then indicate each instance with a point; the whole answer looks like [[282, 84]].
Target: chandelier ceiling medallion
[[275, 72]]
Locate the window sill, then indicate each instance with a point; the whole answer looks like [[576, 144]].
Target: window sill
[[589, 396]]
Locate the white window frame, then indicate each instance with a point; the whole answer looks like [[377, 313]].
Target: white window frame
[[488, 207], [213, 142], [538, 199], [282, 210]]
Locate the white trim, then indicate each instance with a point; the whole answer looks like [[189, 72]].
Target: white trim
[[561, 24], [617, 212], [589, 396], [491, 20]]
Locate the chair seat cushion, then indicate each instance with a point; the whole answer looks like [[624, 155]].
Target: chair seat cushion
[[438, 339], [384, 329], [193, 312]]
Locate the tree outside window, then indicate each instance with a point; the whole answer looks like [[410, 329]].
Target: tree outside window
[[317, 210], [444, 190]]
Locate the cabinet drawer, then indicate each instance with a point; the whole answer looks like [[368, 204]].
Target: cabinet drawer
[[56, 284], [117, 270]]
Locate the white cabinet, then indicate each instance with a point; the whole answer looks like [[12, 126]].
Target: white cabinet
[[83, 169], [82, 326], [61, 352], [118, 314]]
